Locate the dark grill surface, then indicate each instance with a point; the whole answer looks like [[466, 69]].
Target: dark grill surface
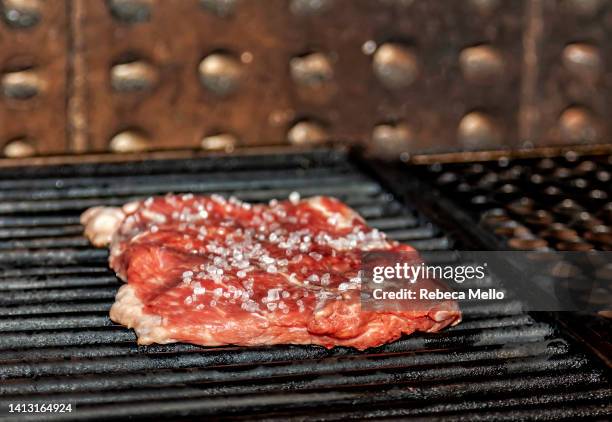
[[57, 343], [562, 203]]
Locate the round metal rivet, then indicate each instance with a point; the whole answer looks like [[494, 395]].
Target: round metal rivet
[[577, 125], [129, 141], [309, 7], [220, 142], [307, 133], [21, 13], [582, 59], [133, 76], [130, 11], [603, 176], [21, 85], [527, 244], [221, 8], [220, 73], [390, 140], [586, 167], [481, 64], [19, 148], [395, 65], [546, 164], [311, 70], [477, 130]]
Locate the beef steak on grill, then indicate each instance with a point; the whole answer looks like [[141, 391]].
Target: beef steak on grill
[[214, 271]]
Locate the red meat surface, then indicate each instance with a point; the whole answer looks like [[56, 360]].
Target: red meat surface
[[211, 271]]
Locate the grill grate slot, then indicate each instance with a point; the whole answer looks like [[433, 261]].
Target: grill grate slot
[[563, 203], [57, 342]]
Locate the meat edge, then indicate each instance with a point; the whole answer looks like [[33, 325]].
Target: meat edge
[[128, 310]]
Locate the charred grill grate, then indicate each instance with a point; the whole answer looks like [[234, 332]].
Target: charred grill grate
[[563, 203], [58, 344]]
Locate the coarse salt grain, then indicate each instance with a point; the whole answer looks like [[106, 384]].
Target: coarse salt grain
[[273, 295], [316, 256], [325, 278], [294, 198]]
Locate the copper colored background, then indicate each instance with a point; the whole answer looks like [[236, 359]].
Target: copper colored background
[[537, 91], [42, 49]]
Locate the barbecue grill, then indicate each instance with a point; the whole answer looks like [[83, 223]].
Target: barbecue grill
[[58, 345], [490, 114]]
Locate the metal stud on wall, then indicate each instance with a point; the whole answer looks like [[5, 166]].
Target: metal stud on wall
[[21, 84], [400, 76], [21, 13], [136, 75], [312, 69], [130, 11], [129, 141], [481, 64], [395, 65], [33, 84], [574, 85], [220, 73]]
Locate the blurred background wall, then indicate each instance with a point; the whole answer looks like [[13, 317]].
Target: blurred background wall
[[395, 75]]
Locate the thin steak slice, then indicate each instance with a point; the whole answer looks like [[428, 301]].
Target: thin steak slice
[[211, 271]]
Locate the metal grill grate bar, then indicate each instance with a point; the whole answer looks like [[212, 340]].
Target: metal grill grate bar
[[278, 161], [252, 381], [94, 321], [239, 179], [58, 343], [117, 335], [239, 370], [219, 401], [534, 407]]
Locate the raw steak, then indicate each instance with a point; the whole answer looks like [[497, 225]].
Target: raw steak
[[211, 271]]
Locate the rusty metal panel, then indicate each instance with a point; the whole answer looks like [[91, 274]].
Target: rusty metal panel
[[33, 60], [144, 81], [466, 92], [574, 82], [399, 76], [403, 74]]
